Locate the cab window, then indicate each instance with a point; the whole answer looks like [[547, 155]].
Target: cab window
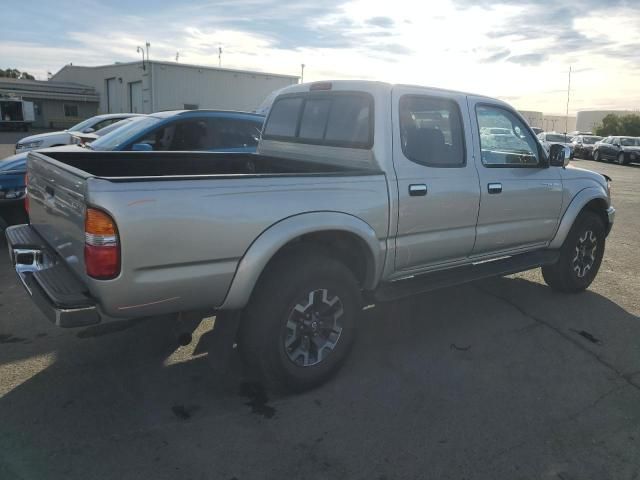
[[513, 146], [431, 131]]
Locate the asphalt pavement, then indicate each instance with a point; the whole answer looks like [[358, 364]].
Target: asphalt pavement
[[498, 379]]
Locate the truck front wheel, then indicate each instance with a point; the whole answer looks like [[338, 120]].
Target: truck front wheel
[[580, 255], [301, 321]]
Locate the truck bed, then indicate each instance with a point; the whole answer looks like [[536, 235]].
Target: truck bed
[[126, 166], [184, 219]]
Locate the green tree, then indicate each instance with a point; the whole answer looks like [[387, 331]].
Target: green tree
[[612, 124], [15, 73], [630, 125]]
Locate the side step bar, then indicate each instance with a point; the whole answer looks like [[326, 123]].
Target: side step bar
[[467, 273]]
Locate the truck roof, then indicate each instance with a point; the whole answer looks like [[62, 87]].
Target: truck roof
[[368, 85]]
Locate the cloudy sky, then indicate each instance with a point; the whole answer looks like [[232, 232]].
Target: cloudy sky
[[518, 50]]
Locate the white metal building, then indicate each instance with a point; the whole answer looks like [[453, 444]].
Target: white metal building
[[156, 86], [588, 120]]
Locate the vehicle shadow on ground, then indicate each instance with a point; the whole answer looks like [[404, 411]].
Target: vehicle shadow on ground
[[117, 392]]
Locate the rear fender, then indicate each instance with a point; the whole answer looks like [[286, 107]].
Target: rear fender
[[278, 235]]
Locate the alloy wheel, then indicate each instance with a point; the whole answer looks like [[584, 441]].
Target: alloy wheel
[[313, 328], [585, 253]]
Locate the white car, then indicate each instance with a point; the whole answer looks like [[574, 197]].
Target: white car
[[65, 137], [549, 138]]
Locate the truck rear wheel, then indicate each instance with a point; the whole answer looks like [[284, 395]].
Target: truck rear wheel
[[301, 322], [580, 255]]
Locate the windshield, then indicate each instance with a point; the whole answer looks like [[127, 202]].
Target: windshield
[[114, 126], [630, 142], [84, 124], [119, 136], [591, 140], [557, 138]]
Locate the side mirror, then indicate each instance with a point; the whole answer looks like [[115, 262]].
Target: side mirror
[[88, 130], [142, 147], [559, 155]]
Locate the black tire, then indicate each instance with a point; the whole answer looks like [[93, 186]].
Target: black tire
[[578, 264], [596, 156], [293, 279], [620, 159]]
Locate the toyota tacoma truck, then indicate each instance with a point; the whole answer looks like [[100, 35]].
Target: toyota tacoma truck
[[360, 192]]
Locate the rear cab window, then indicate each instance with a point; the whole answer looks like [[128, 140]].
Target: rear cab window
[[330, 118]]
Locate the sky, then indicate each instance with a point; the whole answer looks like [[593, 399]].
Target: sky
[[516, 50]]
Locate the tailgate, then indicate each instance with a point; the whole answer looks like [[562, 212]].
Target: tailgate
[[57, 207]]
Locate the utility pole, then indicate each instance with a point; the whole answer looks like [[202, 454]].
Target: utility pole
[[141, 50], [148, 45], [302, 65], [177, 56], [566, 118], [219, 56]]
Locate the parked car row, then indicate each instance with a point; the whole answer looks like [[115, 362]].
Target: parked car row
[[622, 150], [185, 130]]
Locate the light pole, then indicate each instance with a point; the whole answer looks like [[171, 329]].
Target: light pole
[[219, 56], [141, 50], [148, 45], [302, 65]]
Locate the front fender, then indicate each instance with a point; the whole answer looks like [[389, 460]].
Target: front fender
[[574, 209], [278, 235]]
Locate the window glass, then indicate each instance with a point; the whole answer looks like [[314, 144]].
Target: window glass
[[431, 131], [515, 148], [314, 119], [70, 110], [283, 118], [339, 119], [120, 136], [349, 120], [231, 133], [105, 123]]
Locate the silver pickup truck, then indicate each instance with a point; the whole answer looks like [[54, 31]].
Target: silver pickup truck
[[361, 192]]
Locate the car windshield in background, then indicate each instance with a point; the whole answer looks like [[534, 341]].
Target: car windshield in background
[[114, 126], [591, 140], [78, 127], [558, 138], [113, 140], [630, 142]]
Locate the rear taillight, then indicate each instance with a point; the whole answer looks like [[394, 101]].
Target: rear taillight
[[26, 193], [102, 245]]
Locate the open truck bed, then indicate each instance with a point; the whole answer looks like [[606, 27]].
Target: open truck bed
[[184, 220]]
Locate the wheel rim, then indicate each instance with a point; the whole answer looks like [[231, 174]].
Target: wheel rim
[[313, 328], [595, 156], [621, 159], [585, 254]]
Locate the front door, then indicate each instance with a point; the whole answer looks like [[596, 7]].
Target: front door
[[437, 182], [521, 196]]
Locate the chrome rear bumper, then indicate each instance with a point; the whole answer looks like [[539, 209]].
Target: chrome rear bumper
[[62, 298]]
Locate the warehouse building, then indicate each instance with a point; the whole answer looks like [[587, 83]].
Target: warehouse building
[[56, 104], [588, 120], [549, 123], [150, 86]]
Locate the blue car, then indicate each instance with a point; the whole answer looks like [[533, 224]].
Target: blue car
[[187, 130]]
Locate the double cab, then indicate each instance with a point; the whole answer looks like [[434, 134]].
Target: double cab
[[360, 192]]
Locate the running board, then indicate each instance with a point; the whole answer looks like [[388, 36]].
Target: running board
[[466, 273]]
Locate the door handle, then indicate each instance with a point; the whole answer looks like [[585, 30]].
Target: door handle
[[417, 190], [494, 188]]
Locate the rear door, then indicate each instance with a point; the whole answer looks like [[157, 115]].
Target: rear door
[[437, 181], [521, 196]]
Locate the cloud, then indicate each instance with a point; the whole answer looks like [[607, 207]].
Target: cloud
[[497, 56], [528, 59], [383, 22]]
